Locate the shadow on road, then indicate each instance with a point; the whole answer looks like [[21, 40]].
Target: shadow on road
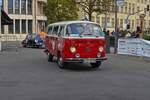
[[79, 67]]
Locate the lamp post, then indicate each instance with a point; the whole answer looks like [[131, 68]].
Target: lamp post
[[0, 26], [116, 27], [117, 3]]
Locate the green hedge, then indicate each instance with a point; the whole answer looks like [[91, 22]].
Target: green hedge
[[146, 37]]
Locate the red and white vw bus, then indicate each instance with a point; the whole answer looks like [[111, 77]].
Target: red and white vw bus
[[75, 41]]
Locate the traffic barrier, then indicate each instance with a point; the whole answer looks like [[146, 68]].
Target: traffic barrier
[[134, 47]]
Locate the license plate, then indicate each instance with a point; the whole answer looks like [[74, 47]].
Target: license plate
[[89, 60]]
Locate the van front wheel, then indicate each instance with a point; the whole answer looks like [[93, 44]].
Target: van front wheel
[[96, 65], [60, 63], [50, 57]]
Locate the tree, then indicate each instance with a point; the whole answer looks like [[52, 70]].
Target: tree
[[60, 10], [99, 6]]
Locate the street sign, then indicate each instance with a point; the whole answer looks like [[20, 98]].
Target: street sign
[[1, 2], [120, 3]]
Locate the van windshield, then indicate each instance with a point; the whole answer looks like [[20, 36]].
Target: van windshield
[[84, 29]]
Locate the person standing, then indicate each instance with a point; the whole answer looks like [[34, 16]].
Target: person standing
[[42, 34]]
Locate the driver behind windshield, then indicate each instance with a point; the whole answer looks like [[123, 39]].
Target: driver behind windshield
[[84, 29]]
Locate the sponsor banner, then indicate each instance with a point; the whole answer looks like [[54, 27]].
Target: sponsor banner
[[122, 46], [135, 47], [1, 2], [146, 48]]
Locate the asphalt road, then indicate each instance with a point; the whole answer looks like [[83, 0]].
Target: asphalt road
[[26, 75]]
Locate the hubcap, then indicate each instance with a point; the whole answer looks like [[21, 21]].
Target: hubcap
[[60, 61], [48, 55]]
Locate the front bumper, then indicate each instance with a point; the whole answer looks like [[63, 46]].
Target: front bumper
[[87, 60]]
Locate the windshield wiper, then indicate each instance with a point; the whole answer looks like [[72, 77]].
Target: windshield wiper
[[88, 34]]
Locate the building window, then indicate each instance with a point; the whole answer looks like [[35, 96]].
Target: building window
[[17, 6], [23, 6], [121, 23], [126, 7], [103, 21], [98, 19], [132, 23], [113, 22], [129, 22], [145, 1], [133, 8], [30, 7], [138, 9], [29, 26], [129, 8], [2, 29], [121, 9], [17, 26], [10, 6], [40, 8], [138, 22], [142, 1], [10, 29], [149, 23], [93, 19], [144, 24], [24, 26]]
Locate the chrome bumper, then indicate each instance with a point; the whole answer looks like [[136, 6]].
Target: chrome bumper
[[83, 59]]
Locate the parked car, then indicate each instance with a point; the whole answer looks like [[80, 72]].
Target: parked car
[[33, 40], [75, 41]]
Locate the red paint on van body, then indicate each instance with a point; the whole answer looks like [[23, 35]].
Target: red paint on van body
[[86, 47]]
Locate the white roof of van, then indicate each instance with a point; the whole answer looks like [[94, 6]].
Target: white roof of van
[[71, 22]]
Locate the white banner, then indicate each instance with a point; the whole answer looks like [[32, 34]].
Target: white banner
[[122, 46], [135, 47], [146, 48], [1, 2]]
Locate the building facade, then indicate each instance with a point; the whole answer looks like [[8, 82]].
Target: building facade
[[28, 17], [131, 8]]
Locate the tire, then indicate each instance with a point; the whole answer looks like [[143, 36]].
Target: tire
[[50, 57], [60, 63], [96, 65], [24, 45]]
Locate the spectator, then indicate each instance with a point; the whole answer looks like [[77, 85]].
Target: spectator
[[42, 34], [128, 35], [112, 33], [104, 30], [137, 35], [108, 33]]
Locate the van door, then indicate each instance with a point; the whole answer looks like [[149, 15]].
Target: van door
[[60, 41], [48, 38], [54, 40]]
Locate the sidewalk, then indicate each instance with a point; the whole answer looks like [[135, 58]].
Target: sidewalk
[[10, 46]]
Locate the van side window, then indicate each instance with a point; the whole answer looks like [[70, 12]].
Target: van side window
[[55, 30], [61, 31], [49, 30]]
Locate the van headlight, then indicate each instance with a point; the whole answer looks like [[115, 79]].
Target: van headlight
[[100, 49], [73, 49]]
